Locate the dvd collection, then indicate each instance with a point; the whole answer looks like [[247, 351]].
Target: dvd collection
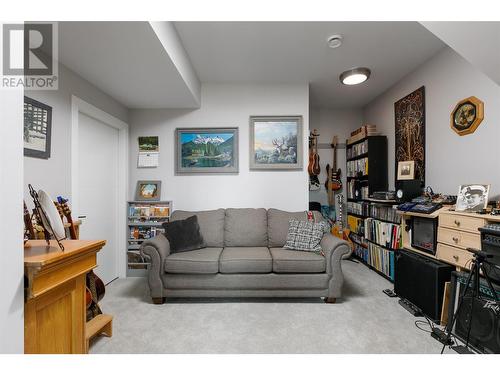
[[143, 233], [357, 149], [351, 190], [358, 208], [148, 211], [357, 167], [387, 213]]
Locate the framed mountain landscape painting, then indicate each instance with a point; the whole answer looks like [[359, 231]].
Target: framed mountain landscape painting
[[206, 150]]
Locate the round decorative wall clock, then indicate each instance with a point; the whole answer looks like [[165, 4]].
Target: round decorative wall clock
[[467, 115]]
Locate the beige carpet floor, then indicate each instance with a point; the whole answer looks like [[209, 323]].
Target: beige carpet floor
[[364, 321]]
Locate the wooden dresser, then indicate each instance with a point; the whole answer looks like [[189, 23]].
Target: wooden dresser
[[54, 309], [458, 231]]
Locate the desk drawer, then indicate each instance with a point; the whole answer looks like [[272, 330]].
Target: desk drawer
[[454, 255], [459, 238], [467, 223]]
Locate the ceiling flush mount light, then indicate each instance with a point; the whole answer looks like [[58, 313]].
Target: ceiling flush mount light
[[334, 41], [355, 76]]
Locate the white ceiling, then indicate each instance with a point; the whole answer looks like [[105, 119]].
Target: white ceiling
[[477, 42], [294, 52], [127, 61]]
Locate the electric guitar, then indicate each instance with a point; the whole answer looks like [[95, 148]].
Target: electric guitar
[[338, 229], [333, 181]]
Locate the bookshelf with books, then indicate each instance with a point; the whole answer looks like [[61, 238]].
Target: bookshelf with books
[[376, 234], [366, 167], [144, 221]]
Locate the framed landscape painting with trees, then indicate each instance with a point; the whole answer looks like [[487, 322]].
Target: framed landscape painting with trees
[[206, 150]]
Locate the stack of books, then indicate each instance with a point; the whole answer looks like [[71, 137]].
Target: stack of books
[[381, 259], [362, 132]]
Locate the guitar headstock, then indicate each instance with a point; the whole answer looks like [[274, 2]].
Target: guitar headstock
[[335, 141], [64, 206]]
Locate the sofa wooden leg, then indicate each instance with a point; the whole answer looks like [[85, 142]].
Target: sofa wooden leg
[[330, 300], [158, 300]]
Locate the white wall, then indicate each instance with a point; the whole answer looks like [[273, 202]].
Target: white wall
[[451, 160], [54, 175], [224, 106], [331, 122], [11, 222]]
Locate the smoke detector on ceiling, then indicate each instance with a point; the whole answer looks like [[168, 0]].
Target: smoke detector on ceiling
[[334, 41]]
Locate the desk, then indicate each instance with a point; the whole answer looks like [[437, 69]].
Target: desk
[[54, 309]]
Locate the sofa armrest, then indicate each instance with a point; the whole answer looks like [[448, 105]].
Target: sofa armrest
[[335, 249], [156, 250]]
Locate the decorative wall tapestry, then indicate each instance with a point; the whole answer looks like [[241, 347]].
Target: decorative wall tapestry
[[409, 115]]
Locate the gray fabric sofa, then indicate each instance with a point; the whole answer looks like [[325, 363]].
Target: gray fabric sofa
[[244, 257]]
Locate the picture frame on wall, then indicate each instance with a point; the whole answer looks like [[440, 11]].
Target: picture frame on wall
[[276, 143], [148, 190], [206, 150], [37, 129], [472, 197], [406, 170]]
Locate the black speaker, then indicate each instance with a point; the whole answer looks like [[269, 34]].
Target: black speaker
[[420, 280], [406, 190], [485, 329]]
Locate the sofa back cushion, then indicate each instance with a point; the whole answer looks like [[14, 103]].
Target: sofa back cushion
[[211, 225], [245, 227], [278, 221]]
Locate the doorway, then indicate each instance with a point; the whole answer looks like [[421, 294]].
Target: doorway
[[99, 181]]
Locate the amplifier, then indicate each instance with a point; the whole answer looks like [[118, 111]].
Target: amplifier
[[420, 280], [485, 329]]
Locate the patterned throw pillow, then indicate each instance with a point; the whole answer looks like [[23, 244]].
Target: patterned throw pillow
[[305, 235]]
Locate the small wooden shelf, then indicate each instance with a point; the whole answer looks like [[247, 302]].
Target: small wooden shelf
[[101, 324]]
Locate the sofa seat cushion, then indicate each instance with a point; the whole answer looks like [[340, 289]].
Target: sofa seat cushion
[[195, 261], [245, 260], [292, 261]]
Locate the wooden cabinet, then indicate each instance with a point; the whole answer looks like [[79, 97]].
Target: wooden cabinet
[[458, 231], [54, 310]]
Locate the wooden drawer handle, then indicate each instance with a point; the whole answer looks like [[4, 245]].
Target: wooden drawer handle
[[455, 239], [457, 223], [455, 257]]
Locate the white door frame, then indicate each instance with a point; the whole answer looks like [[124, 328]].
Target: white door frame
[[80, 106]]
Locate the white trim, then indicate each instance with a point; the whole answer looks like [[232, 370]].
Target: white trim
[[80, 106]]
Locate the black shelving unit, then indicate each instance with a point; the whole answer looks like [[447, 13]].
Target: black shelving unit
[[363, 183]]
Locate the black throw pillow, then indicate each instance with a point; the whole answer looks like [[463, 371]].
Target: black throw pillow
[[184, 235]]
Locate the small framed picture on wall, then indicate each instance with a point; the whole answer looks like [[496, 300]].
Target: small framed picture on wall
[[148, 191], [406, 170]]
